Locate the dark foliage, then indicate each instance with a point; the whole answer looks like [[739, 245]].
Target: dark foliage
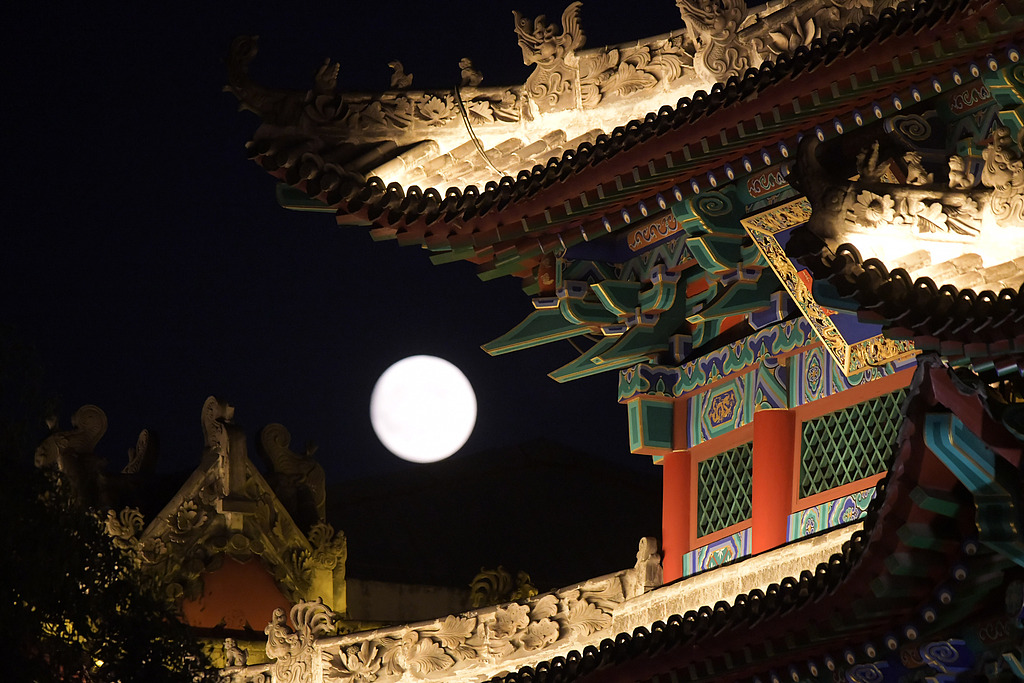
[[77, 608], [73, 607]]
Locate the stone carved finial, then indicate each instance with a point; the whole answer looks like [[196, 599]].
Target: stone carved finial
[[916, 173], [399, 79], [215, 416], [124, 528], [647, 572], [281, 640], [959, 177], [326, 80], [294, 650], [868, 167], [225, 441], [72, 452], [471, 76], [491, 586], [330, 548], [234, 655], [297, 479], [88, 425], [713, 27], [280, 107], [1004, 173], [554, 83], [142, 458]]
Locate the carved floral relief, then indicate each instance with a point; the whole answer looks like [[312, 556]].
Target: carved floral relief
[[475, 639]]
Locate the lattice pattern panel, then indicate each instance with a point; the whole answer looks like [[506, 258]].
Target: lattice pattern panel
[[724, 487], [850, 444]]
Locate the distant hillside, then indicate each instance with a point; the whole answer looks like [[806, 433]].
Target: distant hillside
[[540, 507]]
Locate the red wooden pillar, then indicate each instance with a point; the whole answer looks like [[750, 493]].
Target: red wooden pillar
[[677, 509], [776, 454]]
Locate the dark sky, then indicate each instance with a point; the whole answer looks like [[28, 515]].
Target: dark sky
[[147, 262]]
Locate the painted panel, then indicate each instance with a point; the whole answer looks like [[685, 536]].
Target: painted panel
[[828, 515], [742, 355], [668, 254], [815, 375], [717, 553], [717, 412], [650, 426]]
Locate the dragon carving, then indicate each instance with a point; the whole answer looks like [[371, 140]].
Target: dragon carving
[[297, 478], [554, 83], [713, 27]]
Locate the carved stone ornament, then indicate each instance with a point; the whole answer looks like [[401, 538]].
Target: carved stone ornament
[[399, 79], [713, 27], [297, 478], [647, 572], [88, 425], [215, 416], [293, 650], [473, 641], [624, 71], [491, 586], [73, 453], [142, 458], [342, 115], [227, 509], [554, 83], [471, 76], [234, 655], [955, 210], [330, 548]]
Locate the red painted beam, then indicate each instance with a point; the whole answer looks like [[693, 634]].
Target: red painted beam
[[678, 508], [776, 472]]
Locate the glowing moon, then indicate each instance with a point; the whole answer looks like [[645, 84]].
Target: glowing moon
[[423, 409]]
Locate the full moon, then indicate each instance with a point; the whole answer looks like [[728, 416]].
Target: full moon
[[423, 409]]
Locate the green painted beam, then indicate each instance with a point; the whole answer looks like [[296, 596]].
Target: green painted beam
[[584, 366], [738, 298], [540, 327], [620, 298]]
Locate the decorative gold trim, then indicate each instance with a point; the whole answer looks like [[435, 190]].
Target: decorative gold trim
[[852, 358]]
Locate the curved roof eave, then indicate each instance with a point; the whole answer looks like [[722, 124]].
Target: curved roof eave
[[662, 152]]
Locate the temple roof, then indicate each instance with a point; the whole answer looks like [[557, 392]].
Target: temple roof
[[709, 138], [922, 568]]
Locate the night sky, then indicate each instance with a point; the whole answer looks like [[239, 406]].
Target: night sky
[[148, 264]]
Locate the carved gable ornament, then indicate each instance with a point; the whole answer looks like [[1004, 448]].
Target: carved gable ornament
[[225, 508]]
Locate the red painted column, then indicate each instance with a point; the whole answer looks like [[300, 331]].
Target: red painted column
[[776, 454], [677, 510]]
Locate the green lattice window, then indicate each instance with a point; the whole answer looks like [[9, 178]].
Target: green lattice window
[[724, 485], [850, 444]]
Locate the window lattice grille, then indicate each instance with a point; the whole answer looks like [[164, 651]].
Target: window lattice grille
[[724, 489], [850, 444]]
